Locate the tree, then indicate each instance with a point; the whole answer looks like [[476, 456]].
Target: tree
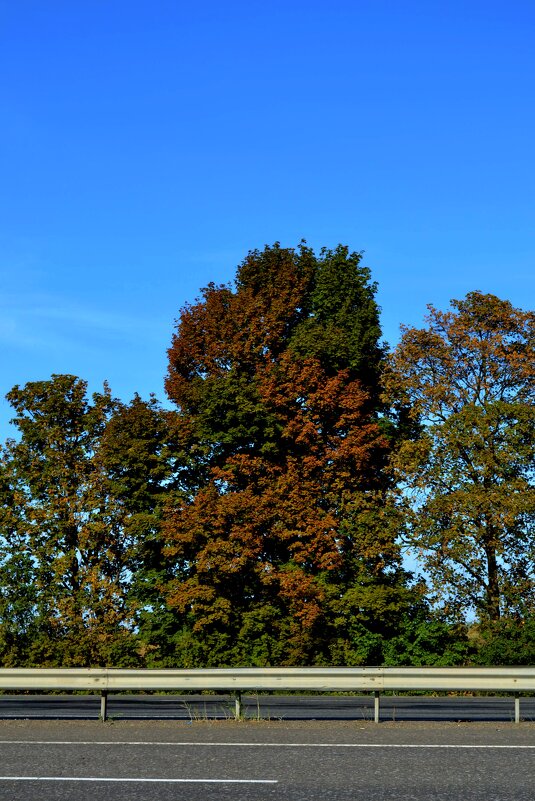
[[469, 475], [283, 545], [63, 539], [142, 459], [18, 592]]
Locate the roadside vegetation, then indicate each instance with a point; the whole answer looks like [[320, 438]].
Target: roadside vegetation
[[263, 519]]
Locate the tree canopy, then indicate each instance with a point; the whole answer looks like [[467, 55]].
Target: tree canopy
[[64, 549], [470, 378], [261, 519], [283, 544]]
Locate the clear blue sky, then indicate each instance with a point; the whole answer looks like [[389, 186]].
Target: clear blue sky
[[145, 147]]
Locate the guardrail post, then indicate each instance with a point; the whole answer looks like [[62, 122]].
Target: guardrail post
[[238, 704], [517, 707], [376, 711], [104, 705]]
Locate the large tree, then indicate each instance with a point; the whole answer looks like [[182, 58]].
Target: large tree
[[469, 477], [64, 549], [283, 544]]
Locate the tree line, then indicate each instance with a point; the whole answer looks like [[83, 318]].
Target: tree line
[[263, 519]]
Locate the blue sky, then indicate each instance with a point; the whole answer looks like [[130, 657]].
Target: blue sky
[[145, 147]]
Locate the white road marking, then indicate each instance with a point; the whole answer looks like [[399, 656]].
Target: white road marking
[[127, 779], [258, 745]]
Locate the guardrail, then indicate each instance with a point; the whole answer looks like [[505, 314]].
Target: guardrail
[[237, 680]]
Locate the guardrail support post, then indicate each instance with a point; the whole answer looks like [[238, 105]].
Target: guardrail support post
[[237, 705], [376, 710], [517, 707], [104, 705]]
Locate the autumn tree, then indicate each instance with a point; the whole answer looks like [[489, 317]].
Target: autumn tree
[[283, 545], [469, 476], [64, 548]]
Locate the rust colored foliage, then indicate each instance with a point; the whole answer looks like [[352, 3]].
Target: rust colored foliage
[[281, 532], [470, 377]]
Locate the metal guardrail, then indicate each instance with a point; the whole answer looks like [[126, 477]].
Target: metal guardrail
[[237, 680]]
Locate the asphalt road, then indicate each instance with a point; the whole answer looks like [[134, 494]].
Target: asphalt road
[[299, 761], [267, 707]]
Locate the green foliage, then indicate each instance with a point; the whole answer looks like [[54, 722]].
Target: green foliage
[[506, 642], [142, 460], [428, 641], [341, 326]]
